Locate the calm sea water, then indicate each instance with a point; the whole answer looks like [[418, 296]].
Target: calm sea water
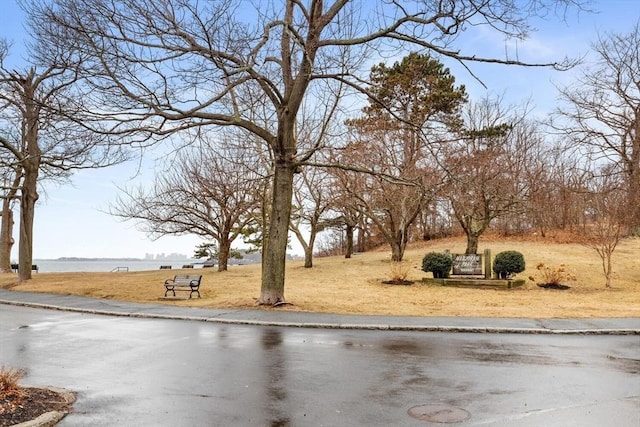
[[45, 265]]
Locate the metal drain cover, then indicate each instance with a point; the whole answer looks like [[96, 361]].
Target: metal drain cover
[[439, 413]]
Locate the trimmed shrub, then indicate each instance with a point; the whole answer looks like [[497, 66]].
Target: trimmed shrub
[[438, 263], [508, 263]]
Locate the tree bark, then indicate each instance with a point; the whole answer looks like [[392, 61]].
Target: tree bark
[[223, 254], [306, 247], [6, 226], [308, 250], [399, 245], [472, 243], [349, 243], [607, 272], [31, 169], [6, 236], [396, 252], [308, 257], [27, 213], [273, 263]]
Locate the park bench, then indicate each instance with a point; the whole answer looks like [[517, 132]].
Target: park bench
[[34, 267], [183, 282]]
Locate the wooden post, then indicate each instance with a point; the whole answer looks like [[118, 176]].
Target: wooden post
[[487, 263]]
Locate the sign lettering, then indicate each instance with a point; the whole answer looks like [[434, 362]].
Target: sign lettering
[[467, 264]]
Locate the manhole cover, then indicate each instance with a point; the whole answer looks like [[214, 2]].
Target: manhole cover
[[439, 413]]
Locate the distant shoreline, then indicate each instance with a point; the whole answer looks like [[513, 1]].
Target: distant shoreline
[[97, 264]]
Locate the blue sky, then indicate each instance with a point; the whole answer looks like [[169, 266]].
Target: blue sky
[[71, 219]]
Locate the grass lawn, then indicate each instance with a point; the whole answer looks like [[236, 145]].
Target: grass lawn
[[339, 285]]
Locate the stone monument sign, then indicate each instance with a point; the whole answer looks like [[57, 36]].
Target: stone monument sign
[[470, 265]]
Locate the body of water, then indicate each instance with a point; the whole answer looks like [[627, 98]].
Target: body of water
[[52, 265]]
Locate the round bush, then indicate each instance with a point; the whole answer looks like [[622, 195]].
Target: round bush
[[507, 263], [438, 263]]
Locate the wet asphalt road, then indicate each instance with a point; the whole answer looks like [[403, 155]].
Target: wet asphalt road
[[154, 372]]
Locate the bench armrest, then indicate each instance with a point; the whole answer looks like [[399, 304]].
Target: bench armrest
[[194, 282], [168, 282]]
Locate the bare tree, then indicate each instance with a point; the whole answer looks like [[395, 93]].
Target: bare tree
[[347, 219], [203, 191], [556, 182], [391, 205], [602, 112], [45, 104], [172, 64], [607, 220], [540, 168], [11, 177], [544, 177], [310, 206], [482, 168]]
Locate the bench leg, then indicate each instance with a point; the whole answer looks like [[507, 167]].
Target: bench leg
[[192, 292], [169, 289]]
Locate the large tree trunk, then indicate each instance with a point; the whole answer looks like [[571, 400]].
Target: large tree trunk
[[399, 245], [473, 230], [308, 250], [363, 233], [349, 247], [307, 247], [275, 253], [6, 226], [472, 243], [27, 213], [6, 236], [308, 257], [223, 254], [30, 169], [397, 252]]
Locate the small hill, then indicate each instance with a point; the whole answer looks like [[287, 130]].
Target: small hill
[[339, 285]]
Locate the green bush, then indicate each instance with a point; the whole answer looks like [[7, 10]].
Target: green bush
[[508, 263], [438, 263]]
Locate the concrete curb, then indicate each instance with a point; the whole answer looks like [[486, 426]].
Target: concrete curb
[[49, 419], [337, 325]]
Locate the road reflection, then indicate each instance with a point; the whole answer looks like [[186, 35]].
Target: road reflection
[[274, 355]]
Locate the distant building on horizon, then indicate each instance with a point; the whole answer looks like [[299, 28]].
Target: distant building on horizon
[[165, 257]]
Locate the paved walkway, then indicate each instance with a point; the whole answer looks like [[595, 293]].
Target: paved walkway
[[612, 326]]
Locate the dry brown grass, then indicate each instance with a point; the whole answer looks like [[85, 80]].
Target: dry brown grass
[[10, 388], [354, 286]]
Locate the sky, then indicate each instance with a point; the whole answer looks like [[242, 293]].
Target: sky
[[71, 219]]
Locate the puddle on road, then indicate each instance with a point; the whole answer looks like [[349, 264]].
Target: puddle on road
[[439, 413]]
